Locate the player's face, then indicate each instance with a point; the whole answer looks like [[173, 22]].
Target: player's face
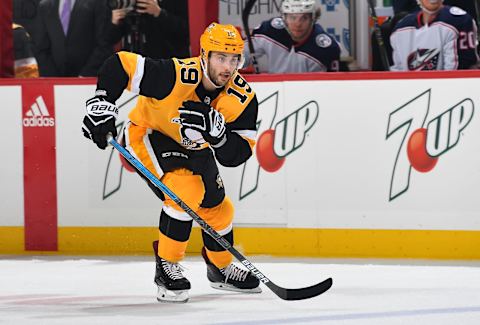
[[221, 67], [431, 5], [299, 25]]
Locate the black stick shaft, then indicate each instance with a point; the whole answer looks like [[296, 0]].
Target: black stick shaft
[[379, 37], [246, 28]]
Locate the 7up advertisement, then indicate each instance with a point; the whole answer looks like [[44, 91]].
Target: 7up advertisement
[[383, 154]]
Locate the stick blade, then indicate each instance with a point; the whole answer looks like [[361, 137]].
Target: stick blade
[[303, 293]]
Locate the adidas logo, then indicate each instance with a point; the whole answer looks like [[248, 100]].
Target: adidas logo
[[38, 115]]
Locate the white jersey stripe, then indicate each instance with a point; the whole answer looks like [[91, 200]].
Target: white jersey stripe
[[175, 214], [148, 145], [226, 230], [127, 141], [137, 77]]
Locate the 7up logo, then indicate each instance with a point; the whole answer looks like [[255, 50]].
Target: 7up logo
[[276, 140], [422, 145]]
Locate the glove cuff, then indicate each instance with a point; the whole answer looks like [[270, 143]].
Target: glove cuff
[[220, 143]]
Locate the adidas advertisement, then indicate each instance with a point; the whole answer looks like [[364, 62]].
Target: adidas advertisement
[[40, 159], [38, 114]]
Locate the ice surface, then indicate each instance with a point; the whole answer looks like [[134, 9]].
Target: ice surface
[[120, 290]]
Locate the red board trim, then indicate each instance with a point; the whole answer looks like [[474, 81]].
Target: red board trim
[[39, 167]]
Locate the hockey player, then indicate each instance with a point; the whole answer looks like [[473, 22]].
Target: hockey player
[[294, 42], [438, 37], [188, 113]]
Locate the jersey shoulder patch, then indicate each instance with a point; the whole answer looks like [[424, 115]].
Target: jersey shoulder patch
[[277, 23], [194, 61], [456, 17], [323, 40], [457, 11]]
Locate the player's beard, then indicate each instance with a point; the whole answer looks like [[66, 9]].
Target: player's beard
[[298, 35], [220, 79]]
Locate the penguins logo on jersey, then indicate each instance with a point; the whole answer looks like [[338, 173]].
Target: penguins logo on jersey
[[423, 59], [191, 139]]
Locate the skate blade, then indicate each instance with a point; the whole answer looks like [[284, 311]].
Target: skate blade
[[229, 287], [175, 296]]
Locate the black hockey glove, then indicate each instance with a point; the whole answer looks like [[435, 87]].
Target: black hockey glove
[[206, 120], [100, 121]]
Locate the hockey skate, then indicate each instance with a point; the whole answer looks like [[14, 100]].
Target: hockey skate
[[231, 278], [172, 285]]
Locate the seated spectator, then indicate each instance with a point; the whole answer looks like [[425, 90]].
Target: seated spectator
[[70, 40], [437, 37], [294, 42], [156, 29], [25, 65]]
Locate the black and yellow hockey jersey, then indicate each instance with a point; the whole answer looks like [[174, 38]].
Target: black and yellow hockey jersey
[[163, 85]]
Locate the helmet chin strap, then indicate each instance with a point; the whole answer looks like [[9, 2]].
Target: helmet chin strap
[[204, 65]]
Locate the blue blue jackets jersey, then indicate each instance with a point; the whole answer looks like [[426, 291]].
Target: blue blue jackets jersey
[[277, 52], [448, 42]]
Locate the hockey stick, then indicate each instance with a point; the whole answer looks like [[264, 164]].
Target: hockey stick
[[477, 12], [477, 21], [378, 36], [245, 15], [283, 293]]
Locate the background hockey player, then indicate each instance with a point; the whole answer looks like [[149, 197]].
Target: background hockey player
[[189, 112], [294, 42], [437, 37]]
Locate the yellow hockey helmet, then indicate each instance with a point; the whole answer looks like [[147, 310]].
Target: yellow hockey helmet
[[220, 38]]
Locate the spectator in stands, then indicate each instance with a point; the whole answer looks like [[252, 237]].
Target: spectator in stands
[[70, 41], [438, 37], [294, 42], [25, 14], [25, 64], [157, 29]]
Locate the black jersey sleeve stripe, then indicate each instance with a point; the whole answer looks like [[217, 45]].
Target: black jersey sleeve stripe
[[247, 120], [158, 78], [237, 150], [234, 152], [112, 78]]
